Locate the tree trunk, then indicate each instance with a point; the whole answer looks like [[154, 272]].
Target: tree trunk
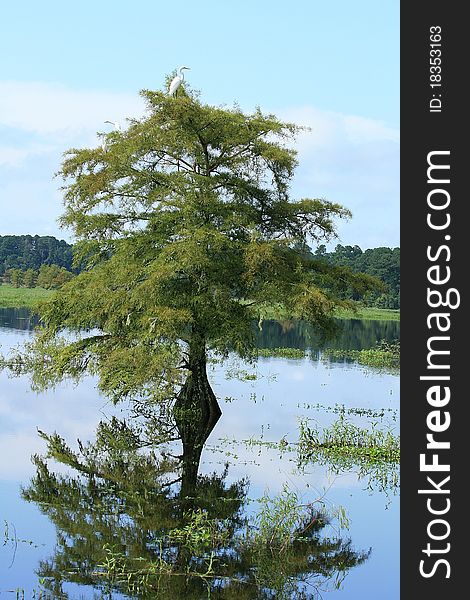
[[196, 413]]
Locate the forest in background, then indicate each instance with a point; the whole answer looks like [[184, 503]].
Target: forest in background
[[383, 263], [32, 251], [24, 258]]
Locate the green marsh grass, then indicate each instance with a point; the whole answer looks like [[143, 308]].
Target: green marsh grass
[[364, 313], [384, 355], [11, 297], [374, 453], [370, 314]]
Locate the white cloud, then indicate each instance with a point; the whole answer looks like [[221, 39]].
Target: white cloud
[[39, 121], [360, 129], [354, 161], [11, 156], [326, 128], [50, 108]]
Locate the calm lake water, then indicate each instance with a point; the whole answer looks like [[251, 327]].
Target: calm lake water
[[257, 415]]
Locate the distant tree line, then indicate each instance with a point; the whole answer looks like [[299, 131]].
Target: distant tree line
[[383, 263], [32, 251], [48, 277]]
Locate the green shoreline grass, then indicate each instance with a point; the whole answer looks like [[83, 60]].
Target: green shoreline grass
[[371, 314], [362, 313], [11, 297]]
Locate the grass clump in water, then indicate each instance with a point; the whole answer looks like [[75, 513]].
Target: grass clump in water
[[384, 355], [345, 446], [282, 352]]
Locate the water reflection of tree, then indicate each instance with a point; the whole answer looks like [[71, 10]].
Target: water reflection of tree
[[353, 334], [17, 318], [132, 518]]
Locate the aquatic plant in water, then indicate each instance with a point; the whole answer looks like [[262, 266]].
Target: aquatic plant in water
[[385, 355], [374, 453]]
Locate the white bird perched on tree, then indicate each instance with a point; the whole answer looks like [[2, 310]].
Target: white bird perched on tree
[[177, 81], [117, 127]]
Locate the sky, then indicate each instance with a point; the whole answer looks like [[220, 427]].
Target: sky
[[332, 66]]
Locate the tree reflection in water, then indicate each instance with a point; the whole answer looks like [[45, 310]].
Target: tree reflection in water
[[133, 519]]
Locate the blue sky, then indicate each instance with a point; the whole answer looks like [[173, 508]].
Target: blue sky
[[333, 66]]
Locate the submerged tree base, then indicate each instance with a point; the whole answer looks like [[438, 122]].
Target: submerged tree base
[[196, 412]]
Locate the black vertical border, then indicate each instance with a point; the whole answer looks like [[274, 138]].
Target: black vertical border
[[422, 132]]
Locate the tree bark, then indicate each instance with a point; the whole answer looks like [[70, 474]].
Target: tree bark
[[196, 412]]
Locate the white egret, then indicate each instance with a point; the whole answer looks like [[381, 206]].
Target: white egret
[[117, 127], [177, 81]]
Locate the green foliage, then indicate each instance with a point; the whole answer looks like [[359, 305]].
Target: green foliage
[[49, 277], [30, 278], [370, 314], [202, 534], [350, 440], [185, 223], [53, 277], [15, 277], [283, 519], [282, 352]]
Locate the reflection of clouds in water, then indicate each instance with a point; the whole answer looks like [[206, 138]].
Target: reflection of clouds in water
[[75, 411], [300, 385], [72, 411], [296, 375], [16, 449], [277, 468]]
